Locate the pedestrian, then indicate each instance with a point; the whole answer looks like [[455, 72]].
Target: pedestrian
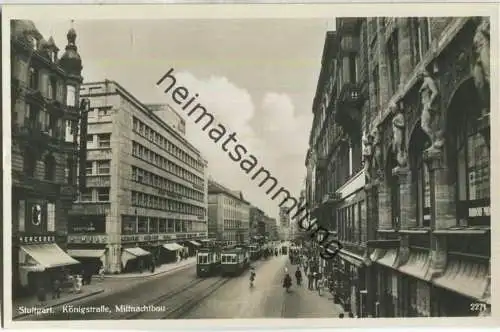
[[351, 315], [310, 280], [341, 315], [101, 273], [56, 289]]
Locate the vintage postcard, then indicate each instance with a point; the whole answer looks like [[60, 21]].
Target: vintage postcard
[[215, 165]]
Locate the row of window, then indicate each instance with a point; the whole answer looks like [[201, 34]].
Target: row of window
[[49, 163], [153, 225], [154, 137], [232, 224], [144, 153], [157, 181], [161, 203], [349, 221], [102, 167], [95, 195], [102, 140]]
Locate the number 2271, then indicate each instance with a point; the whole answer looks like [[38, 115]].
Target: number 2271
[[477, 307]]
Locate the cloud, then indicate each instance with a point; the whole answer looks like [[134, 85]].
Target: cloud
[[272, 133]]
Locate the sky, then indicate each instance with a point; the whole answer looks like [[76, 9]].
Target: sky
[[257, 76]]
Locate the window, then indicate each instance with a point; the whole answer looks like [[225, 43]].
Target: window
[[420, 177], [422, 37], [86, 195], [53, 88], [393, 55], [353, 69], [29, 164], [103, 111], [103, 166], [50, 168], [69, 171], [33, 78], [88, 168], [395, 200], [103, 194], [473, 174], [104, 140], [71, 96]]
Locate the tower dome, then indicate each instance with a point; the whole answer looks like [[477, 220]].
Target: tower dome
[[70, 61]]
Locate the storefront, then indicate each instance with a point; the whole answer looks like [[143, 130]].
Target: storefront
[[171, 252], [92, 259], [40, 262], [135, 259], [463, 282]]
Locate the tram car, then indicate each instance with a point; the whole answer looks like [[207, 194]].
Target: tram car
[[246, 249], [208, 261], [233, 261], [254, 252]]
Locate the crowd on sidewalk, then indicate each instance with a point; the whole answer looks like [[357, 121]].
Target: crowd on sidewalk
[[316, 281]]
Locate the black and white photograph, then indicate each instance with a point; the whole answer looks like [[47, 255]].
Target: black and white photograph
[[230, 167]]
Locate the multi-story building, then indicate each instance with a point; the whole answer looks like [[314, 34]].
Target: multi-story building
[[415, 91], [257, 223], [45, 100], [271, 228], [146, 185], [173, 119], [228, 214]]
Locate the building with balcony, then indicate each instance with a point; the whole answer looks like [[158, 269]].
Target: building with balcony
[[45, 102], [146, 185], [228, 215], [415, 221]]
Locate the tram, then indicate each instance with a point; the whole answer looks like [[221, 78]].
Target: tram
[[208, 261], [254, 252], [233, 261]]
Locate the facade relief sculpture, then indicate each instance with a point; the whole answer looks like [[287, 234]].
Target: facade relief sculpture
[[481, 66], [430, 120], [372, 155], [398, 132]]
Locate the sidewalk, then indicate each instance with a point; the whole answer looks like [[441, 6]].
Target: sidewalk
[[159, 270], [32, 302]]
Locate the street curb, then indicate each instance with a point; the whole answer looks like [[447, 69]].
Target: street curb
[[62, 303], [117, 277]]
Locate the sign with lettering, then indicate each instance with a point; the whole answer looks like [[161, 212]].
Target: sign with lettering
[[37, 239], [88, 239]]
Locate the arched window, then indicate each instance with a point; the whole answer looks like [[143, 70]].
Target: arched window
[[472, 158], [420, 176]]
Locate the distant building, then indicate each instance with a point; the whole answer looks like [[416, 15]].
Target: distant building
[[146, 184], [271, 228], [257, 223], [228, 214]]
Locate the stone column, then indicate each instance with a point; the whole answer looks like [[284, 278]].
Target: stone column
[[384, 206], [442, 210], [382, 65], [404, 49]]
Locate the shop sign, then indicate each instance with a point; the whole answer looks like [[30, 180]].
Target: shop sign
[[37, 239], [88, 239]]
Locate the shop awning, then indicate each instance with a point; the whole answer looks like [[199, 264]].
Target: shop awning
[[195, 243], [353, 259], [389, 258], [466, 277], [86, 253], [48, 255], [173, 246], [137, 252], [417, 265], [133, 253]]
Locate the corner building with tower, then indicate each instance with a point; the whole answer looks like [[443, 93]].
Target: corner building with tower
[[398, 166]]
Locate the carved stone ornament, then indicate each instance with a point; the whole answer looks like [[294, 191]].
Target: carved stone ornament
[[430, 116], [481, 65], [398, 131], [367, 141]]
